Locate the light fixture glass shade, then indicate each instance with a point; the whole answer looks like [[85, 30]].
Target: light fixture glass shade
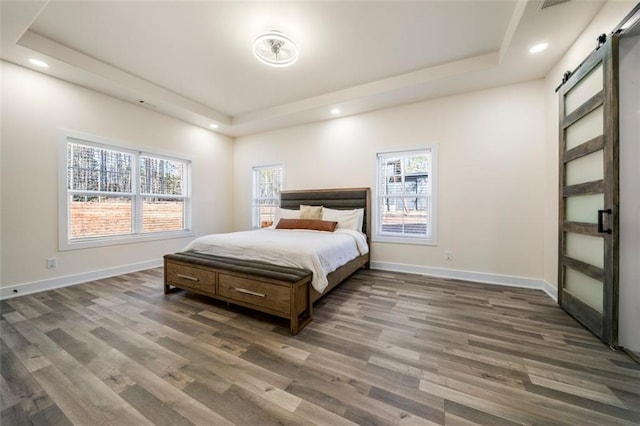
[[275, 49]]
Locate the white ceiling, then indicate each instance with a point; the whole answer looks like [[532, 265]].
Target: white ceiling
[[193, 60]]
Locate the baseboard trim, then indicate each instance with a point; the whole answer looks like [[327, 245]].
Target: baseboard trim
[[551, 290], [59, 282], [480, 277], [631, 354]]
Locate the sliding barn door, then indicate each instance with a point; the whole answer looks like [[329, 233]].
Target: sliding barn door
[[588, 234]]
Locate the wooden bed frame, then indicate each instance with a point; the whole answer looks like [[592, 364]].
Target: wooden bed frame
[[280, 291], [341, 199]]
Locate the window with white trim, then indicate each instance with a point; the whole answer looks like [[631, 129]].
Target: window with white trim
[[114, 195], [406, 196], [268, 182]]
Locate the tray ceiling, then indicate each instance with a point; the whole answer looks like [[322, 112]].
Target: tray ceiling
[[193, 60]]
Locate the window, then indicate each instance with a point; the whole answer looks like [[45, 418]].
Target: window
[[267, 185], [405, 196], [113, 195]]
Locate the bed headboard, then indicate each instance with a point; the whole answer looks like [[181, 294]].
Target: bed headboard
[[341, 198]]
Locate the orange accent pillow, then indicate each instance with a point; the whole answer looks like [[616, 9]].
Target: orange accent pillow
[[314, 225]]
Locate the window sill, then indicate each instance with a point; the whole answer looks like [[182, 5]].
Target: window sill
[[405, 240], [119, 240]]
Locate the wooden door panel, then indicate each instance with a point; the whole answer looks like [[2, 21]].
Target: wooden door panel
[[588, 216]]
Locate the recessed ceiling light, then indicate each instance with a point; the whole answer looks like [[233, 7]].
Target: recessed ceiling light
[[213, 126], [39, 63], [538, 47], [335, 111]]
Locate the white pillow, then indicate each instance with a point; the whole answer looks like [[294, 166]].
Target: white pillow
[[347, 219], [284, 214]]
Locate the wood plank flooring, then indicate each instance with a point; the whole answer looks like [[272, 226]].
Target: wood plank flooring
[[384, 348]]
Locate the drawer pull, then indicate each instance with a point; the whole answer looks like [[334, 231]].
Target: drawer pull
[[187, 277], [252, 293]]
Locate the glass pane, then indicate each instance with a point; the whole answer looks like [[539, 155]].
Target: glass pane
[[587, 128], [584, 208], [584, 90], [405, 216], [584, 288], [266, 212], [585, 169], [390, 175], [99, 216], [90, 168], [405, 187], [162, 214], [161, 176], [586, 248], [268, 182], [406, 173]]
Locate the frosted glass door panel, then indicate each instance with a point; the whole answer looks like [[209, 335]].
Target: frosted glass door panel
[[584, 90], [586, 248], [588, 259], [584, 208], [585, 169], [583, 288], [585, 129]]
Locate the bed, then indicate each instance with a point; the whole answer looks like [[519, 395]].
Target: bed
[[262, 277]]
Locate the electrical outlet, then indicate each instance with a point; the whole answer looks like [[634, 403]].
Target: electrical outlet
[[448, 255], [52, 262]]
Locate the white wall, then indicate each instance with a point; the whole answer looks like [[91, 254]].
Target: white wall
[[35, 106], [491, 178], [629, 326]]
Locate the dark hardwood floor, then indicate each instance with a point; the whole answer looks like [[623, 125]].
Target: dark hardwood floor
[[384, 348]]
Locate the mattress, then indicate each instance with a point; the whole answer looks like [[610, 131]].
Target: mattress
[[320, 252]]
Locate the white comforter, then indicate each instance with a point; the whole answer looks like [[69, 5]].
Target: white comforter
[[320, 252]]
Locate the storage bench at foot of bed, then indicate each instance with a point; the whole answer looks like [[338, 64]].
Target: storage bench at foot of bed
[[276, 290]]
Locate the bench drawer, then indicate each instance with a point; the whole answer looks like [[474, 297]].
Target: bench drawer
[[267, 295], [184, 275]]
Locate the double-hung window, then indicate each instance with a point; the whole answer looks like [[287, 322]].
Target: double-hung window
[[268, 182], [406, 196], [114, 195]]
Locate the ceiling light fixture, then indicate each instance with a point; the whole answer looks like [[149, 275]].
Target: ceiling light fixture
[[538, 47], [335, 111], [213, 126], [275, 49], [39, 63]]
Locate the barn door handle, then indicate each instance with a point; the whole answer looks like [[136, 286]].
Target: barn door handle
[[601, 214]]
